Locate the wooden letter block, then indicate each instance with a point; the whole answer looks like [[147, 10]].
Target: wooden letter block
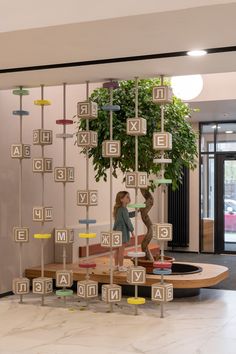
[[64, 236], [64, 278], [162, 232], [21, 234], [111, 293], [136, 275], [87, 139], [42, 286], [64, 174], [111, 239], [162, 292], [162, 141], [42, 165], [136, 180], [87, 110], [87, 197], [21, 286], [162, 94], [20, 151], [42, 214], [87, 289], [136, 126], [111, 148], [42, 137]]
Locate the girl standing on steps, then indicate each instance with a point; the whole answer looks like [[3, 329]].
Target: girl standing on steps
[[123, 224]]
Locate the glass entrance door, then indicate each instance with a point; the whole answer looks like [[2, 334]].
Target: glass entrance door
[[225, 232]]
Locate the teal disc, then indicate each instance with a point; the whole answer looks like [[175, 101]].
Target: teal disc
[[20, 113], [20, 92], [64, 292]]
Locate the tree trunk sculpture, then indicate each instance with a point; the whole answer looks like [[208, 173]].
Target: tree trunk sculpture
[[147, 221]]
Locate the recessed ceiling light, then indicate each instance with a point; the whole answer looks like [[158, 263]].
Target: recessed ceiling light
[[197, 53], [229, 131], [213, 126]]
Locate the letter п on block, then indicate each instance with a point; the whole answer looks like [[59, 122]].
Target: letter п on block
[[87, 110], [162, 141], [162, 232], [87, 289], [136, 180], [162, 292], [87, 197], [87, 139], [111, 148], [42, 165], [42, 214], [64, 174], [111, 239], [21, 234], [42, 137], [162, 94], [111, 293], [64, 278], [64, 236], [136, 126], [20, 151], [42, 285], [136, 275], [21, 286]]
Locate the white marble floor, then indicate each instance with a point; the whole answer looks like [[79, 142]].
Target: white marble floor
[[203, 324]]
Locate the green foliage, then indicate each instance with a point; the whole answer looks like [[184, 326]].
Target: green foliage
[[184, 138]]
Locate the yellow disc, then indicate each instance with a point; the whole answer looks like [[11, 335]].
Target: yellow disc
[[87, 235], [42, 103], [42, 236], [136, 300]]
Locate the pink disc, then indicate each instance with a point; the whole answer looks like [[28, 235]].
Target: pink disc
[[87, 265], [162, 265]]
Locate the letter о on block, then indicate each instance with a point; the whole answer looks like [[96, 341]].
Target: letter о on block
[[111, 239], [162, 292], [111, 293], [162, 94], [162, 232], [64, 278], [21, 286], [136, 126], [87, 289], [21, 234], [42, 285], [111, 148], [87, 110], [162, 141], [64, 236], [136, 275]]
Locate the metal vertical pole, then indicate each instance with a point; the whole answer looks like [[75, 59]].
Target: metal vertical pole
[[64, 165], [42, 181], [20, 195]]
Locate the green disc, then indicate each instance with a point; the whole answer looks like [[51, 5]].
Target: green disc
[[20, 92], [64, 292], [137, 206], [163, 181]]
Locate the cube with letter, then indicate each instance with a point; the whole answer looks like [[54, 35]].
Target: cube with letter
[[162, 141], [136, 126], [111, 148], [136, 275], [87, 197], [42, 286], [87, 110], [64, 174], [87, 139], [42, 214], [64, 278], [111, 238], [87, 289], [162, 292], [162, 231], [42, 165], [136, 180], [111, 293], [21, 286], [20, 151], [21, 234], [42, 137], [64, 236], [162, 94]]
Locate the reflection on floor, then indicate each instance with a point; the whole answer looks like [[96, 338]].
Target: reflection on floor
[[200, 325]]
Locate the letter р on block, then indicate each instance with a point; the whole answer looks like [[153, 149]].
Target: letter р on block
[[87, 289], [64, 278], [136, 275], [42, 137], [21, 234], [87, 110], [162, 292], [21, 286], [64, 236], [111, 293], [162, 232], [111, 239], [136, 180], [42, 285]]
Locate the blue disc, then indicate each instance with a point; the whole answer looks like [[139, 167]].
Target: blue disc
[[87, 221], [20, 113], [159, 271], [112, 108]]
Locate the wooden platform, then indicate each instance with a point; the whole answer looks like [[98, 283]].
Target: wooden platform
[[211, 274]]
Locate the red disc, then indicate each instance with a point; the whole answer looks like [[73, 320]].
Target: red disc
[[87, 265], [64, 121], [162, 265]]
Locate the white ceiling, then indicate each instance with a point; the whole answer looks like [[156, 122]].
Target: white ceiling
[[88, 31]]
